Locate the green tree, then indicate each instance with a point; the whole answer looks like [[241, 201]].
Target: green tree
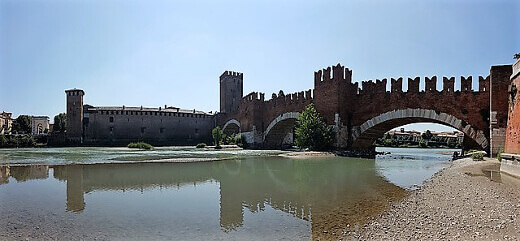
[[218, 135], [60, 123], [22, 124], [312, 132], [427, 135], [3, 141]]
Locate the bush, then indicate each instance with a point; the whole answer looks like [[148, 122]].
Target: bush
[[218, 136], [239, 140], [312, 132], [28, 141], [201, 145], [140, 145], [477, 156], [16, 141], [499, 154]]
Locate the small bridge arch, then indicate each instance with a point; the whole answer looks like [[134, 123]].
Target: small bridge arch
[[280, 130], [231, 127], [364, 136]]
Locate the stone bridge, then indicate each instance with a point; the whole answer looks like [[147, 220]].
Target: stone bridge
[[361, 114]]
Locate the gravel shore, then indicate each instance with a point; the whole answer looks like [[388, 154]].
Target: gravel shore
[[458, 203]]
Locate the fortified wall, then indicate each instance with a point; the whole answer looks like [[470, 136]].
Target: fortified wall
[[511, 158], [349, 106], [120, 125]]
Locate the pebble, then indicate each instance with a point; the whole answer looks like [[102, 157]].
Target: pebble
[[451, 206]]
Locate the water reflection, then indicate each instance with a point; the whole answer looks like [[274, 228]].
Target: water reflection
[[23, 173], [329, 192]]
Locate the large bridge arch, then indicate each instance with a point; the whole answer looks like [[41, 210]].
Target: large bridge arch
[[279, 128], [231, 127], [364, 136]]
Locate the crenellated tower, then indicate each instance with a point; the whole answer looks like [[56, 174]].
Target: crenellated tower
[[231, 90], [75, 114]]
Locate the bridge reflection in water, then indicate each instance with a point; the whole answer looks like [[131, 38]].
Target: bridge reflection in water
[[331, 193]]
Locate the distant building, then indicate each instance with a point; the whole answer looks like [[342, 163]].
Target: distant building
[[450, 136], [454, 137], [40, 125], [6, 123], [402, 135]]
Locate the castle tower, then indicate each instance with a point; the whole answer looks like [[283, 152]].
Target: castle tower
[[75, 114], [231, 90]]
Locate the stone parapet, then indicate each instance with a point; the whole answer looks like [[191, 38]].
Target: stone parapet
[[510, 164], [516, 69]]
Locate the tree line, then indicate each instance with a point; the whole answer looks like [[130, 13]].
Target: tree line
[[21, 132]]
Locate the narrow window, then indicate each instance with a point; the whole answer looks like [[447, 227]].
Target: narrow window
[[111, 119], [161, 130], [143, 129], [196, 131]]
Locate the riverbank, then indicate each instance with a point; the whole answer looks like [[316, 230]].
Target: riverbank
[[459, 202], [307, 154]]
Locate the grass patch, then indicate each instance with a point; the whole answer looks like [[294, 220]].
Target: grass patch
[[201, 145], [140, 145], [477, 156]]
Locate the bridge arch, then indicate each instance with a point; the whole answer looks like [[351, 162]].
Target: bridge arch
[[365, 135], [278, 130], [231, 127]]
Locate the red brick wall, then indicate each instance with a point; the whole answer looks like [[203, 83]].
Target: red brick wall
[[334, 93], [512, 144]]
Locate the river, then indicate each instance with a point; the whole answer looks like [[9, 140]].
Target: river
[[123, 194]]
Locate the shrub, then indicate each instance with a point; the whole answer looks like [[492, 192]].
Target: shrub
[[201, 145], [218, 135], [239, 140], [3, 141], [312, 132], [477, 156], [28, 141], [499, 154], [140, 145]]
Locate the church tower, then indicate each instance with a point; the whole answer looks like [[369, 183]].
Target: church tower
[[75, 114], [231, 90]]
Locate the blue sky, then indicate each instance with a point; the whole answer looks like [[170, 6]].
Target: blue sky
[[153, 53]]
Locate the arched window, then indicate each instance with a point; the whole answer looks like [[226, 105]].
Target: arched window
[[40, 128]]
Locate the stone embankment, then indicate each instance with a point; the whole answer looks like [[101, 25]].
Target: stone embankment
[[458, 203]]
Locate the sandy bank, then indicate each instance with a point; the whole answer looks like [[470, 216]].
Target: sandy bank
[[458, 203], [306, 154]]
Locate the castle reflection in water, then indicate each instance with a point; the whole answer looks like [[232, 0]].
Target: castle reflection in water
[[307, 189]]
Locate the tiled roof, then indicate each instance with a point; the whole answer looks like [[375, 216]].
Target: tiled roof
[[131, 108]]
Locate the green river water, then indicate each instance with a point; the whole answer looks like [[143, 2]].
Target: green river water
[[123, 194]]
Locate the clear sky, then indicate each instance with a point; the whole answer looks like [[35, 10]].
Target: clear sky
[[153, 53]]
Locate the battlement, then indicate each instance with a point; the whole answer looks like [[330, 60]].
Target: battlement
[[75, 92], [397, 84], [430, 85], [339, 73], [232, 74], [254, 96], [373, 87]]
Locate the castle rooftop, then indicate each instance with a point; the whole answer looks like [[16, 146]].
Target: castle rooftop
[[168, 109]]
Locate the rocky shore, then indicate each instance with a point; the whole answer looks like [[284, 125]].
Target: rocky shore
[[458, 203]]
